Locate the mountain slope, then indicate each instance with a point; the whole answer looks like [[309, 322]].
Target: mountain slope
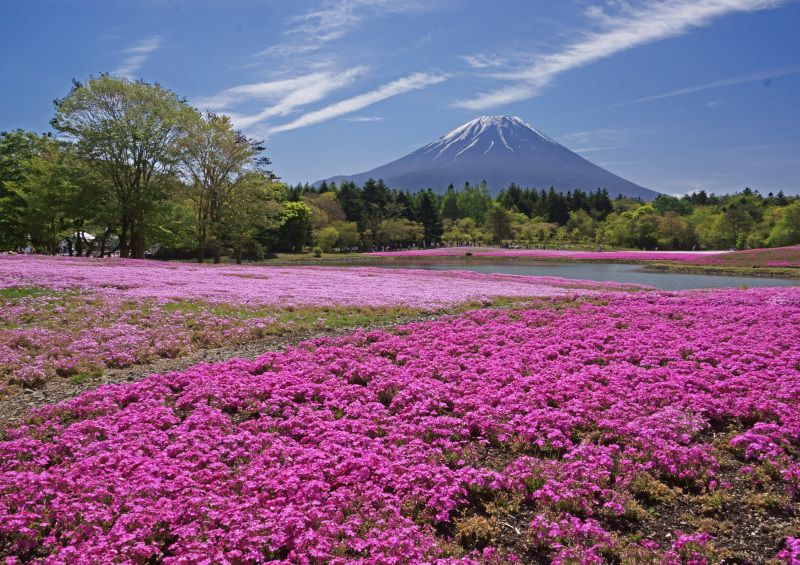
[[500, 150]]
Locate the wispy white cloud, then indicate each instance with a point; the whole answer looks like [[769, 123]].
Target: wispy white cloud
[[290, 49], [598, 139], [137, 56], [337, 18], [631, 27], [750, 148], [323, 82], [762, 75], [591, 149], [427, 38], [482, 61], [605, 139], [284, 96], [364, 119], [333, 20], [415, 81]]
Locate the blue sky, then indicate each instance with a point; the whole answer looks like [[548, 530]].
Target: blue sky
[[673, 95]]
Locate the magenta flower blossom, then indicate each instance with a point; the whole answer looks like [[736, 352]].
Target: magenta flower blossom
[[357, 450], [128, 309]]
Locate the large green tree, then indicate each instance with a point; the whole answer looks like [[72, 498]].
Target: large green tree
[[256, 208], [350, 197], [216, 160], [16, 149], [428, 215], [450, 204], [128, 132], [474, 202], [48, 198], [498, 222], [787, 230], [741, 214], [295, 228], [379, 207]]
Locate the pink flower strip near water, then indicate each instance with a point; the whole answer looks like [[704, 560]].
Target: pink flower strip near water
[[349, 450], [546, 254], [278, 286], [121, 335]]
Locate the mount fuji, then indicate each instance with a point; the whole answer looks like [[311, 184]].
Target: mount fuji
[[499, 150]]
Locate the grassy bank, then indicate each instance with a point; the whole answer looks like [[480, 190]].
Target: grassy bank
[[723, 271], [779, 262]]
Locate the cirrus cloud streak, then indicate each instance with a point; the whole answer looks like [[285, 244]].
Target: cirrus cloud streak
[[634, 27], [415, 81], [763, 75], [286, 96], [138, 56]]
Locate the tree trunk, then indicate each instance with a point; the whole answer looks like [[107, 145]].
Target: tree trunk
[[201, 244], [90, 245], [217, 230], [53, 238], [238, 253], [137, 244], [124, 249], [78, 244], [137, 238], [104, 243]]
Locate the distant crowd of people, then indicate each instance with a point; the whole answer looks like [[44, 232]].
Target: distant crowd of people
[[19, 251], [424, 245]]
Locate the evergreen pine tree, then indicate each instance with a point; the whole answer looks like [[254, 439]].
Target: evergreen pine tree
[[428, 216]]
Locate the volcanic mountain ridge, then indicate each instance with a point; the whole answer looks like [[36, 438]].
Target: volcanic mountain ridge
[[500, 150]]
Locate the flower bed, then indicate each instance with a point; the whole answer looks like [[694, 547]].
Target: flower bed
[[566, 432], [548, 254], [752, 258], [73, 317], [275, 286]]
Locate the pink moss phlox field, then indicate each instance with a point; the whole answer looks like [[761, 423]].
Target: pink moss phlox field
[[787, 257], [39, 337], [275, 286], [791, 554], [356, 450], [546, 254]]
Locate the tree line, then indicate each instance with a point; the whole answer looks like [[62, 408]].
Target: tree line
[[376, 216], [135, 170]]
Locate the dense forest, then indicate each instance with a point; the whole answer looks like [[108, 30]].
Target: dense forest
[[378, 216], [135, 171]]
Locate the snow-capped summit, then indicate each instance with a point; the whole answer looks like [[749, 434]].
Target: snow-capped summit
[[498, 133], [499, 150]]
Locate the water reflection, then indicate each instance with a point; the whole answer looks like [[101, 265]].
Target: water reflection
[[601, 272]]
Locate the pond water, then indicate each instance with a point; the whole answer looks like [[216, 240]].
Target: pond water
[[601, 272]]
